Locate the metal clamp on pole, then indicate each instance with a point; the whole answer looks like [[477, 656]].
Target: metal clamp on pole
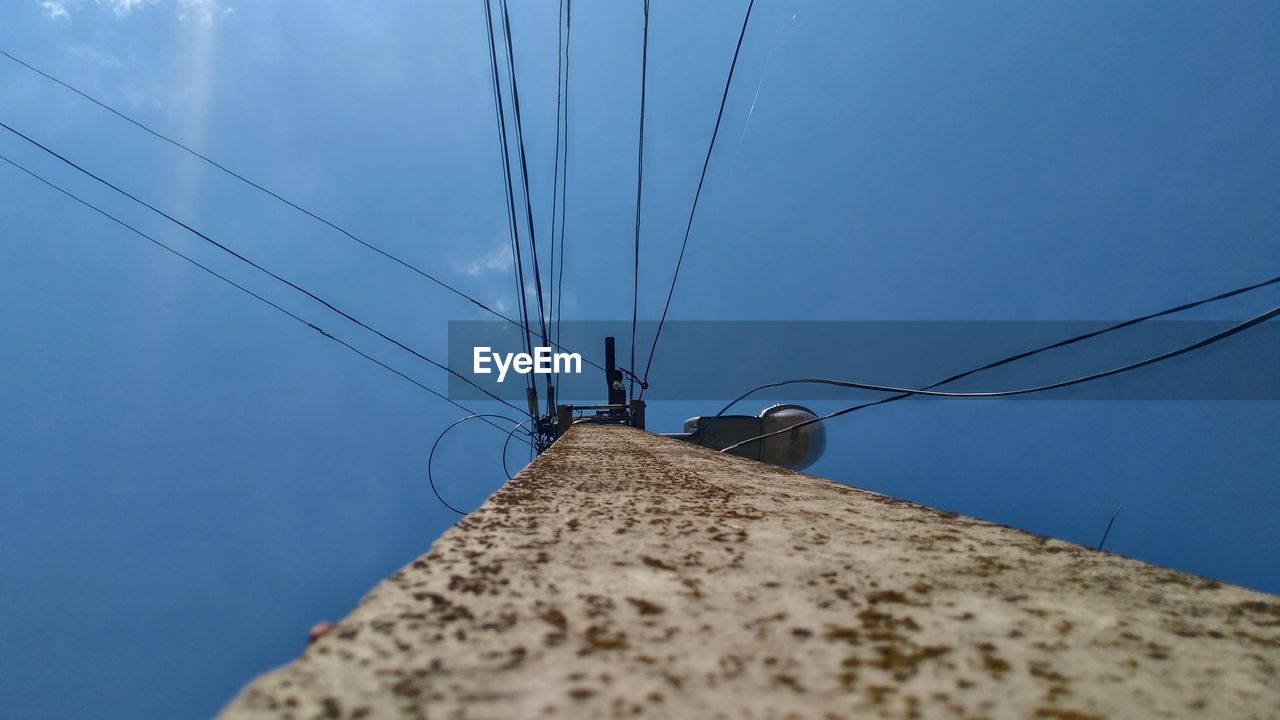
[[617, 411]]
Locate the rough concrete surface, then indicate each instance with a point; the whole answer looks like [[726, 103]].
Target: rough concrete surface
[[623, 574]]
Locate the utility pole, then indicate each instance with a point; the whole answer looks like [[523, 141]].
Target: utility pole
[[627, 574]]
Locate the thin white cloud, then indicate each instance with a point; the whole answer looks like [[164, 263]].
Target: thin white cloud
[[203, 11], [124, 7], [498, 260], [88, 53], [56, 10]]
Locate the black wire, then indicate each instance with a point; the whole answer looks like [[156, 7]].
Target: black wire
[[268, 191], [698, 193], [505, 148], [555, 193], [232, 283], [431, 456], [507, 443], [524, 167], [1003, 393], [635, 274], [1109, 524], [257, 186], [251, 263], [524, 174], [1036, 351], [564, 178], [555, 175]]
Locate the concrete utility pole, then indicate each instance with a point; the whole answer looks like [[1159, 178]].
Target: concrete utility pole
[[624, 574]]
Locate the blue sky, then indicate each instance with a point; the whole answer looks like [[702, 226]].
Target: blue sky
[[189, 480]]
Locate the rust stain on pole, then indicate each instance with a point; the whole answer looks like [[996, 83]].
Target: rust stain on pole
[[624, 574]]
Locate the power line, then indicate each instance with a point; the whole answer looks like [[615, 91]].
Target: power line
[[555, 182], [555, 175], [857, 385], [234, 284], [247, 261], [635, 275], [698, 193], [557, 288], [1043, 348], [524, 165], [906, 392], [524, 174], [257, 186], [261, 188], [431, 480], [1109, 524], [505, 148]]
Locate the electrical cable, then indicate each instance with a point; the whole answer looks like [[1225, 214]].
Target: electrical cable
[[1000, 393], [261, 188], [232, 283], [554, 381], [524, 167], [1043, 348], [257, 186], [635, 274], [555, 174], [247, 261], [528, 200], [698, 193], [431, 456], [507, 443], [505, 148], [1109, 524], [558, 288]]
